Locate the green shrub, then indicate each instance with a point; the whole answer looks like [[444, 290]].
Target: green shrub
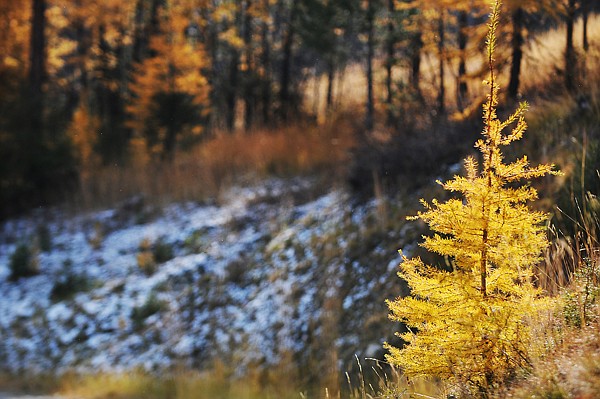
[[23, 263], [152, 306], [70, 285], [162, 251], [196, 242]]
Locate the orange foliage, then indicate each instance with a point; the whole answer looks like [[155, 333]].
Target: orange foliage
[[82, 132], [14, 36], [222, 161], [175, 68]]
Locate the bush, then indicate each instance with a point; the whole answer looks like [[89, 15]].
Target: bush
[[162, 251], [23, 263], [151, 255], [69, 285], [146, 263], [152, 306]]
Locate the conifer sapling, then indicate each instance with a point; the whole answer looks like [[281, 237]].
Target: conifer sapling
[[468, 326]]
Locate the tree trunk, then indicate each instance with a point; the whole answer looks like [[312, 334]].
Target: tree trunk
[[415, 62], [390, 61], [441, 54], [584, 17], [517, 52], [330, 79], [234, 74], [286, 67], [570, 59], [138, 32], [231, 97], [37, 63], [461, 90], [370, 54], [213, 78], [78, 90], [266, 78], [249, 71], [146, 27]]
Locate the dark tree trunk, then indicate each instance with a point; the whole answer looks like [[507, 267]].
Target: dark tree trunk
[[266, 78], [214, 82], [139, 41], [249, 100], [37, 63], [517, 52], [370, 54], [570, 59], [461, 90], [108, 102], [286, 67], [584, 16], [232, 84], [415, 62], [82, 37], [441, 69], [231, 97], [390, 61], [147, 25], [83, 44], [330, 79]]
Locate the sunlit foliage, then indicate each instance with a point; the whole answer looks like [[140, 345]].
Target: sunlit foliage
[[468, 323], [170, 92]]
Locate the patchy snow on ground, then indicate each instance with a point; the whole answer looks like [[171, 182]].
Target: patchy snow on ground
[[156, 289]]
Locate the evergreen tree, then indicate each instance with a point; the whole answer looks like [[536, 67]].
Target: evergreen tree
[[468, 325]]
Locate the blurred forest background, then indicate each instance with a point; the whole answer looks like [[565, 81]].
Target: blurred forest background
[[103, 99], [160, 101]]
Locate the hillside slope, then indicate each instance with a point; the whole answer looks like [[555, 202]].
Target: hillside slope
[[245, 281]]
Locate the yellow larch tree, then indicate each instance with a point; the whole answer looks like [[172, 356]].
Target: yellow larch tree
[[170, 91], [468, 325]]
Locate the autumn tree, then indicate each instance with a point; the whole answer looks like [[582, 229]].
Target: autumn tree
[[467, 324], [104, 36], [170, 92]]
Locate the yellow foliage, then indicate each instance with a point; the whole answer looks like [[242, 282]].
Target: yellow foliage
[[176, 68], [83, 133], [468, 326], [14, 36]]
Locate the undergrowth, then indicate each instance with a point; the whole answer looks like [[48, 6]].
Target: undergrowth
[[373, 379], [221, 161]]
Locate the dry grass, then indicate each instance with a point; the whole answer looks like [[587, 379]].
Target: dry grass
[[375, 382], [28, 384], [224, 160], [570, 370], [218, 383]]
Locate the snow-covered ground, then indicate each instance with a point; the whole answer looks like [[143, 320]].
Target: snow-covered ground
[[246, 280]]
